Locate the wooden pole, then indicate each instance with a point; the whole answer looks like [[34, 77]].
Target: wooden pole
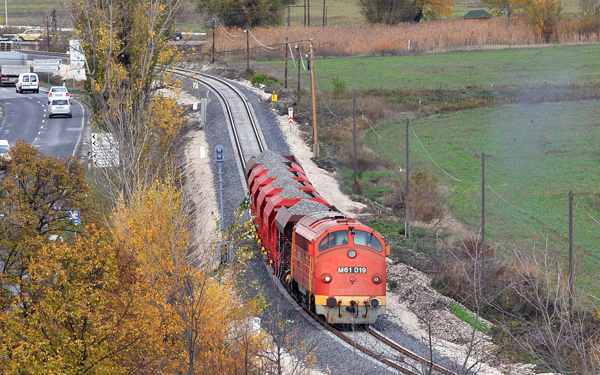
[[286, 62], [304, 13], [571, 250], [324, 16], [354, 136], [482, 207], [299, 63], [314, 100], [247, 50], [407, 185], [308, 12], [212, 57]]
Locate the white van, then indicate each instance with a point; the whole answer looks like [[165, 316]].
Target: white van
[[28, 82]]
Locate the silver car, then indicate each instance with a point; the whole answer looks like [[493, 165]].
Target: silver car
[[59, 107], [58, 92]]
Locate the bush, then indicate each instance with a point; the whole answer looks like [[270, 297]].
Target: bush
[[261, 79], [338, 87], [543, 17]]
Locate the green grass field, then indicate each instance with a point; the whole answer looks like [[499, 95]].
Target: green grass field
[[536, 153], [509, 67]]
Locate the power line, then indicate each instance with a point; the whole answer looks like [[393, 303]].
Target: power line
[[369, 122], [434, 162]]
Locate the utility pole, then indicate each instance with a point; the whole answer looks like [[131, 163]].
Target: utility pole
[[304, 13], [47, 34], [324, 14], [212, 57], [299, 63], [54, 23], [354, 139], [247, 50], [571, 250], [482, 208], [407, 186], [287, 46], [314, 100]]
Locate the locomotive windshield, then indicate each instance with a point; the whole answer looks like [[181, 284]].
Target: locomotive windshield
[[362, 238], [337, 238]]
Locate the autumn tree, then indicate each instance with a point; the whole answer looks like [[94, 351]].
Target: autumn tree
[[70, 306], [590, 7], [127, 59], [207, 318], [237, 13], [543, 16], [81, 311], [36, 193], [507, 8], [397, 11]]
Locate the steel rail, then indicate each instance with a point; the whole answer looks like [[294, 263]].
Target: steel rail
[[381, 338], [205, 79], [358, 346], [407, 352]]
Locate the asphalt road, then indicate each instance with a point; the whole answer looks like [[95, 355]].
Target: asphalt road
[[25, 117]]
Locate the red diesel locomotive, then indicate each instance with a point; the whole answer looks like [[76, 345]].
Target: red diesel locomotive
[[333, 264]]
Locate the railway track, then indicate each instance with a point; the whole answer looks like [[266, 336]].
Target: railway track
[[374, 344], [246, 135], [249, 142]]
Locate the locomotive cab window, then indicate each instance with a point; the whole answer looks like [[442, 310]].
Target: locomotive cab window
[[368, 239], [333, 239]]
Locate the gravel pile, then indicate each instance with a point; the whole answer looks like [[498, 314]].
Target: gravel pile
[[270, 158], [306, 206]]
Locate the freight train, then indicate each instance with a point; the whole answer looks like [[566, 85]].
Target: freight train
[[333, 264]]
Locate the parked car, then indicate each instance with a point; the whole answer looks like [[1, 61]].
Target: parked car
[[4, 155], [59, 107], [30, 34], [28, 82], [58, 92], [178, 35]]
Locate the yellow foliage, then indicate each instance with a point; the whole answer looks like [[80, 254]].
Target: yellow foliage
[[81, 312], [201, 310], [544, 17]]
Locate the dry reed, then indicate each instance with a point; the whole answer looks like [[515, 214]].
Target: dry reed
[[391, 40]]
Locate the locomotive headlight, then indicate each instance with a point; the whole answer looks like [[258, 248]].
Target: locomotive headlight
[[352, 254], [326, 278], [377, 279]]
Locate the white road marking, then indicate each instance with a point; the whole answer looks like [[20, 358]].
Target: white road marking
[[81, 127]]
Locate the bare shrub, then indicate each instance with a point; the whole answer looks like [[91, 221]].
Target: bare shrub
[[559, 331], [426, 197]]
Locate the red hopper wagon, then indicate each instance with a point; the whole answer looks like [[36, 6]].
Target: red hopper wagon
[[331, 263]]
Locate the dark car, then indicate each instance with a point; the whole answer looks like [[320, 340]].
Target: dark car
[[178, 35]]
